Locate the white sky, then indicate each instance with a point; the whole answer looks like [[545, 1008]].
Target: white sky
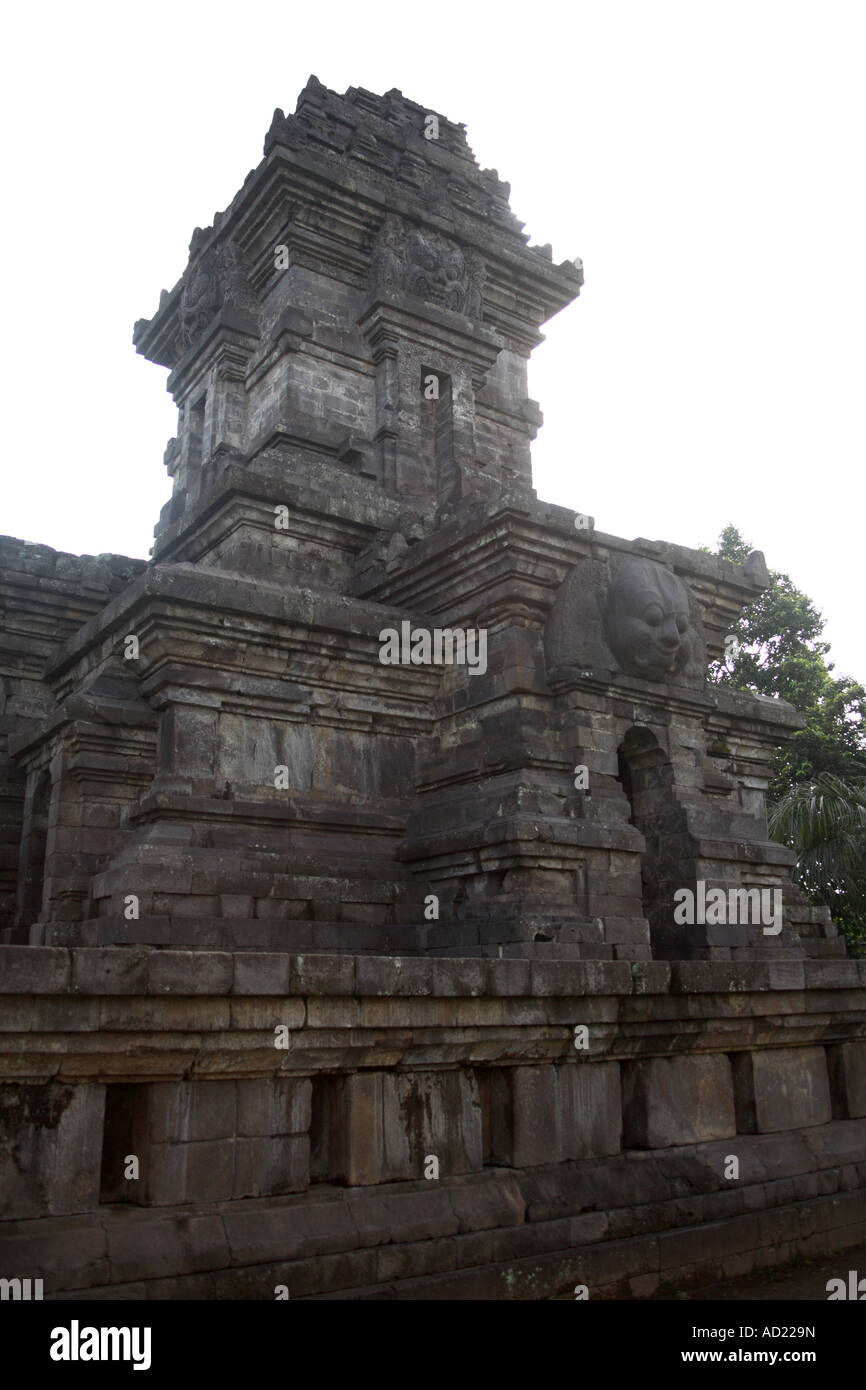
[[705, 159]]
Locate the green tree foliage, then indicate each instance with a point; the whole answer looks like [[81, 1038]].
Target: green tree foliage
[[781, 654], [817, 798], [824, 822]]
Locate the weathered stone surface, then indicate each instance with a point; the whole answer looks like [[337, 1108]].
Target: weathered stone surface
[[261, 972], [179, 1112], [549, 1114], [260, 1233], [278, 1105], [409, 1216], [35, 972], [154, 1249], [50, 1144], [388, 1126], [677, 1100], [781, 1089], [188, 972]]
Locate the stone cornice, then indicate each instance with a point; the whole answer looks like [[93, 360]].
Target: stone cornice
[[113, 1013]]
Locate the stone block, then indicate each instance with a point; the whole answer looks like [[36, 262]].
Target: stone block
[[148, 1249], [236, 904], [558, 977], [628, 931], [163, 1175], [412, 1261], [459, 977], [261, 972], [677, 1100], [632, 953], [781, 1088], [394, 975], [210, 1170], [190, 972], [713, 1240], [34, 969], [50, 1149], [560, 1112], [518, 1242], [186, 1111], [588, 1228], [831, 974], [322, 1275], [266, 1167], [323, 974], [487, 1205], [611, 1262], [508, 977], [68, 1013], [651, 977], [273, 1105], [403, 1216], [261, 1233], [786, 974], [385, 1125], [263, 1014], [67, 1253], [110, 970]]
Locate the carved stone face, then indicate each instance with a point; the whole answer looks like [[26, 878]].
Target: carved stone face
[[648, 621], [429, 266]]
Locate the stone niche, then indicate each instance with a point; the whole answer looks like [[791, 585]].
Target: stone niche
[[206, 1140]]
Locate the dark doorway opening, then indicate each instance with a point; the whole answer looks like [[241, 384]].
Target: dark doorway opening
[[668, 862]]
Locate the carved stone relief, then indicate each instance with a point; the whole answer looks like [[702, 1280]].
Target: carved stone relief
[[642, 620], [218, 278], [648, 620], [431, 267]]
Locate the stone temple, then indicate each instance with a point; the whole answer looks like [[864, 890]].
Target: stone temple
[[345, 841]]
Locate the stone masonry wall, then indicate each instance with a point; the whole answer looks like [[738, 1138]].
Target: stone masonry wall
[[309, 1164], [45, 595]]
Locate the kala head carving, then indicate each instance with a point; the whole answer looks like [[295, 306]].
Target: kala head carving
[[649, 620], [642, 620], [431, 267]]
